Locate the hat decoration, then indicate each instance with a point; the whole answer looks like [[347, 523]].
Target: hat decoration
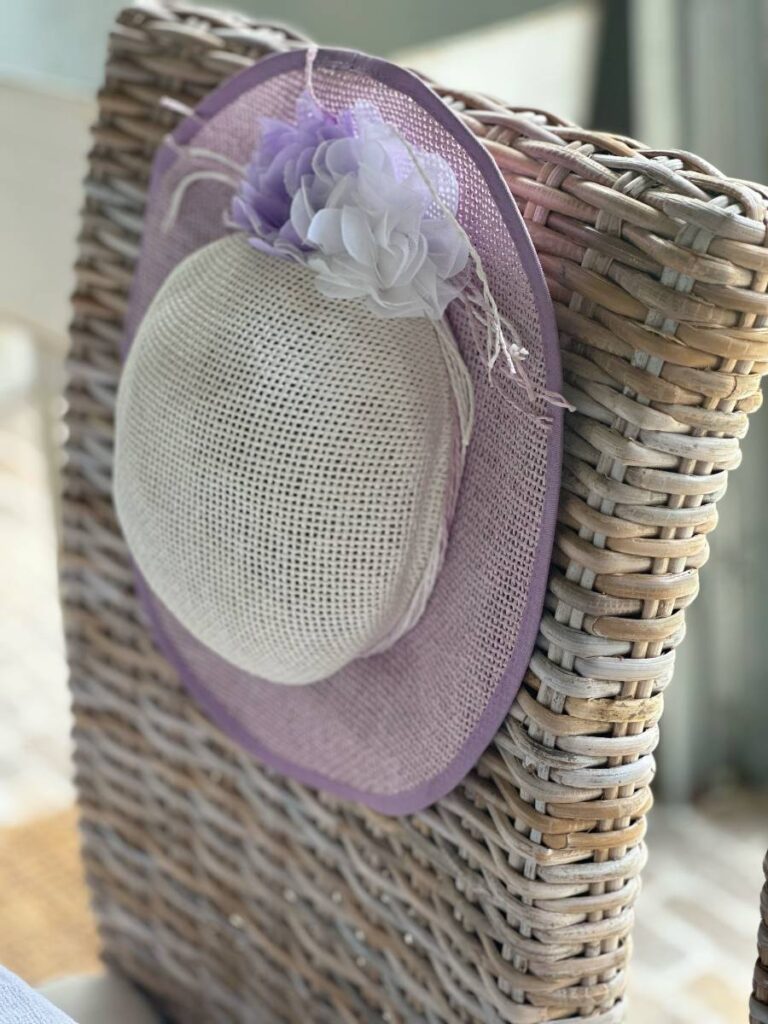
[[321, 361], [371, 216]]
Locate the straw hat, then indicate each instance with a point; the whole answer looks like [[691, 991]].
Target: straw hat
[[338, 433]]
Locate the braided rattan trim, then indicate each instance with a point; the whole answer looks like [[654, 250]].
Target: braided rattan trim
[[235, 895]]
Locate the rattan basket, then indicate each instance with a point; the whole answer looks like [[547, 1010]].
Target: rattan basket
[[232, 894], [758, 1007]]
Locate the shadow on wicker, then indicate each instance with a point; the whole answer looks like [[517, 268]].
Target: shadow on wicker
[[232, 894]]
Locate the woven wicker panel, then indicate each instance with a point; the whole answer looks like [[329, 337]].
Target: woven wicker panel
[[234, 895], [758, 1007]]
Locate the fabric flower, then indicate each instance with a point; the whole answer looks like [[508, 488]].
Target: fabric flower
[[283, 157], [372, 217]]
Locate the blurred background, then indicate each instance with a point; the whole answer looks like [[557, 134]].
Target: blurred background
[[677, 73]]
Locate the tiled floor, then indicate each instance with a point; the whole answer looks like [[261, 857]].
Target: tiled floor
[[697, 915]]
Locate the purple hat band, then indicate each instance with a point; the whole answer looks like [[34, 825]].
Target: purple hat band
[[399, 729]]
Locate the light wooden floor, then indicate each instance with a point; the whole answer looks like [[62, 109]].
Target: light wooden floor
[[697, 916], [46, 928], [698, 913]]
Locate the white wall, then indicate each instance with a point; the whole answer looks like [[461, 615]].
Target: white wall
[[42, 164]]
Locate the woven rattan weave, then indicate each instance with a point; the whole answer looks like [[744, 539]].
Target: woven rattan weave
[[231, 894], [758, 1007]]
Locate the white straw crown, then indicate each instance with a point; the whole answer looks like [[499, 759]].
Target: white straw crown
[[287, 464]]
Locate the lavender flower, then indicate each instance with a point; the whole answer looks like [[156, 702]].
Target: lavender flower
[[282, 158], [346, 196]]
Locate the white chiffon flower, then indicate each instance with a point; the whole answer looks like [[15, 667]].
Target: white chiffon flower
[[371, 227], [372, 216]]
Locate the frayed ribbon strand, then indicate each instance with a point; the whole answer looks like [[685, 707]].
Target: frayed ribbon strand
[[230, 178], [500, 340]]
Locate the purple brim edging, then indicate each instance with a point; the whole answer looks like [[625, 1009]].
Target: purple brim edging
[[426, 793]]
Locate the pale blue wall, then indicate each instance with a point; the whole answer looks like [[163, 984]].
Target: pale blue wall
[[65, 40]]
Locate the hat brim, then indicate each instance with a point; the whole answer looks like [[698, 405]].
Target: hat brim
[[400, 729]]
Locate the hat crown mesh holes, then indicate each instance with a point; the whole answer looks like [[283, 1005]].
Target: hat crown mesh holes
[[286, 465]]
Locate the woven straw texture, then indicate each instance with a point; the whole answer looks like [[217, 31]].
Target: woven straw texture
[[284, 445], [758, 1007], [234, 895]]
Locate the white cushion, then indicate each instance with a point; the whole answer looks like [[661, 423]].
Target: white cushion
[[100, 999]]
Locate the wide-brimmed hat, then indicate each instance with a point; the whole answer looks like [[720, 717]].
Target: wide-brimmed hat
[[338, 434]]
